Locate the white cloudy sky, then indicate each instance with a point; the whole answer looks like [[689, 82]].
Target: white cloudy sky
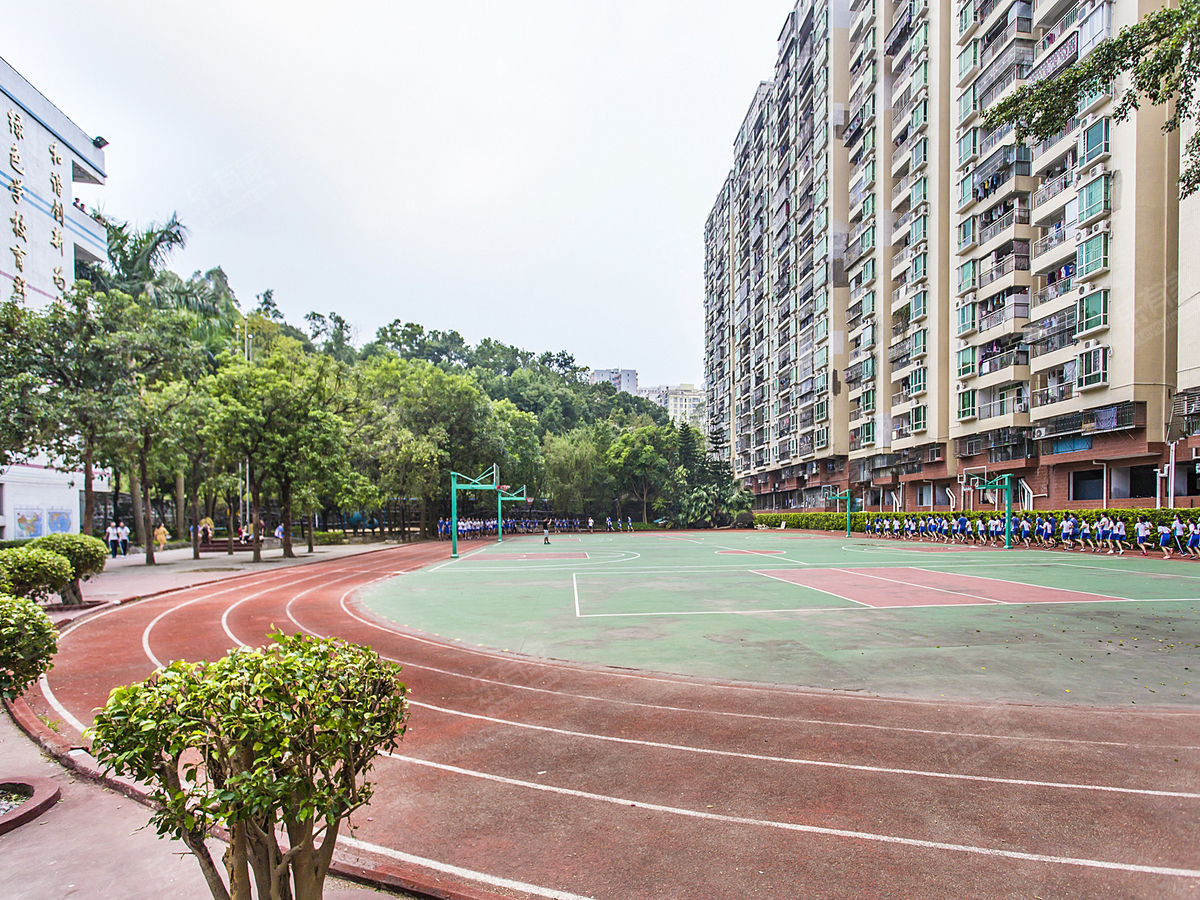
[[536, 172]]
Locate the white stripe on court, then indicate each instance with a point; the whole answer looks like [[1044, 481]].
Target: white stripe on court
[[817, 589], [811, 829], [458, 871], [817, 763], [575, 583], [923, 586]]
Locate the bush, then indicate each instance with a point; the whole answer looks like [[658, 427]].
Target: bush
[[33, 573], [744, 519], [28, 642], [86, 555], [326, 538]]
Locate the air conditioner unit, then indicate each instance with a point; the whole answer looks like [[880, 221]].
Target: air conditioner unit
[[1079, 234], [1039, 433], [960, 386], [970, 298], [1086, 122], [1103, 226], [1088, 345], [962, 344], [1100, 169]]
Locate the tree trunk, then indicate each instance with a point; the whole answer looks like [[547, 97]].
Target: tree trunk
[[237, 863], [422, 526], [116, 494], [194, 841], [195, 518], [256, 504], [229, 507], [135, 497], [403, 522], [180, 508], [89, 491], [286, 496], [312, 525], [147, 510]]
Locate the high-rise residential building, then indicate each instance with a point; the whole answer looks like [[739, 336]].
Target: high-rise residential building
[[932, 301], [622, 379], [48, 231], [683, 402]]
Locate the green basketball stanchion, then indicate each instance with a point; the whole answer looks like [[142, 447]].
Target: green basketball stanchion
[[488, 481], [1003, 483], [849, 498]]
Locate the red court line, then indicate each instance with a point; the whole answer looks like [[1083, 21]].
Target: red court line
[[886, 588], [493, 557]]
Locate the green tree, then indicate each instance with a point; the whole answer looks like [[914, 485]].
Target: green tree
[[33, 573], [28, 642], [86, 554], [641, 462], [1158, 59], [25, 415], [255, 742]]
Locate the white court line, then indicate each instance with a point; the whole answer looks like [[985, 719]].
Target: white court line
[[575, 584], [815, 763], [722, 713], [461, 557], [1130, 571], [925, 587], [811, 588], [773, 554], [811, 829], [715, 612], [459, 872]]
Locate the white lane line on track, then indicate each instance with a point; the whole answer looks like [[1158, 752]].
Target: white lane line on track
[[815, 763], [58, 707], [225, 615], [459, 872], [811, 829], [724, 713]]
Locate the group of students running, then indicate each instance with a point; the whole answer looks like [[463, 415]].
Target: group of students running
[[469, 527], [1073, 532]]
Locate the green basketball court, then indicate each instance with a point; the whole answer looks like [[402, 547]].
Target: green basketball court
[[852, 614]]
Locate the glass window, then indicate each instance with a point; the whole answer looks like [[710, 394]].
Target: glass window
[[1095, 140], [966, 233], [1092, 312], [919, 304], [920, 339], [820, 192], [821, 220], [920, 153], [919, 267], [966, 104], [820, 302], [820, 274], [1093, 199], [868, 303], [964, 190], [822, 164], [966, 362], [868, 401], [966, 404], [821, 411], [1093, 255], [821, 383], [918, 230], [918, 380], [821, 247], [918, 191], [920, 415], [968, 58], [966, 318], [820, 330], [966, 275], [1093, 29], [968, 145], [868, 271], [920, 114], [821, 438], [1092, 368]]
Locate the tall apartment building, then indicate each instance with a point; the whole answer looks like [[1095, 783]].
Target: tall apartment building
[[48, 232], [622, 379], [984, 307], [775, 286]]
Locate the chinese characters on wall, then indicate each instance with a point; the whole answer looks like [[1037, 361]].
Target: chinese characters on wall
[[24, 179]]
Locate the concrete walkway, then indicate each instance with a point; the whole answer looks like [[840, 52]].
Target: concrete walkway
[[95, 843]]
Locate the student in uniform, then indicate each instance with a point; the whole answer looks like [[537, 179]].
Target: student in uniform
[[1178, 530], [1085, 536], [1164, 540], [1193, 541], [1025, 530], [1141, 532], [1119, 537]]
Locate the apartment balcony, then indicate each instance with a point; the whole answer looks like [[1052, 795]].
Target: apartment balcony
[[1054, 249], [1057, 393], [1052, 190], [1046, 11], [1011, 312], [1003, 367], [1006, 266], [1006, 406], [995, 139], [1004, 227], [1060, 288]]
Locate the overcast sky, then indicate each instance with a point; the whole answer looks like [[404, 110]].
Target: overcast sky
[[535, 172]]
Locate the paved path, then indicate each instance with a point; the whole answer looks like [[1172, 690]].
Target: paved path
[[523, 777]]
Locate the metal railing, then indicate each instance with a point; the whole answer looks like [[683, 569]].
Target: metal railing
[[1053, 239], [1052, 188], [1016, 216], [1004, 314], [1004, 361], [994, 139], [1011, 263], [1001, 407], [1054, 394]]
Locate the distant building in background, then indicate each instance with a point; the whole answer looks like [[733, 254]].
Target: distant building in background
[[48, 231], [622, 379], [684, 402]]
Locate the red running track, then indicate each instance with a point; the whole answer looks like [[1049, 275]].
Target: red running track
[[530, 778]]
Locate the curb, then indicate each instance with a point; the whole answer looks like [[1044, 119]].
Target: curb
[[45, 795]]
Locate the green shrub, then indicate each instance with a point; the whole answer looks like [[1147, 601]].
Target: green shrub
[[326, 538], [745, 519], [33, 573], [86, 555], [28, 642]]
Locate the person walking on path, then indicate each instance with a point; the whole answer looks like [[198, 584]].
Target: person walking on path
[[112, 537], [161, 536], [123, 537], [545, 531]]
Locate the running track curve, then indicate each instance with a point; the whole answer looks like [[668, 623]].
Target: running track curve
[[522, 777]]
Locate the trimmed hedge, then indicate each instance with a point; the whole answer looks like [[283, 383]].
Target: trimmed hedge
[[831, 521], [325, 538], [33, 574], [28, 642]]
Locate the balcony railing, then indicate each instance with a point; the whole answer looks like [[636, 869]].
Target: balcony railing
[[1017, 216], [1054, 62], [1053, 291], [994, 139], [1053, 239], [1002, 407], [1004, 361], [1008, 264], [1004, 314], [1054, 394], [1052, 188]]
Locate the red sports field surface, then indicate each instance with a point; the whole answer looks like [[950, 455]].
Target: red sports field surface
[[523, 777], [885, 588]]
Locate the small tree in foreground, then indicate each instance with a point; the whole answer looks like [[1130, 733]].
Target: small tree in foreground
[[33, 572], [85, 553], [28, 642], [257, 741]]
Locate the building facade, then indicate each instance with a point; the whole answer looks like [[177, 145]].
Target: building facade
[[683, 402], [48, 232], [622, 379], [979, 306]]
